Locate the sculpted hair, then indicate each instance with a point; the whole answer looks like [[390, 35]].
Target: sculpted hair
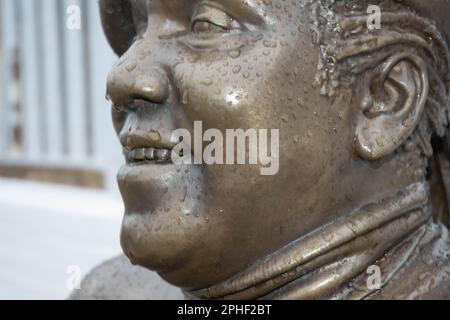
[[349, 48]]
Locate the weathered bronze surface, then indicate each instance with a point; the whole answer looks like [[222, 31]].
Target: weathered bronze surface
[[360, 183]]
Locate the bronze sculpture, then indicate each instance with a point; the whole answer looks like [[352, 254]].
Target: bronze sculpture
[[357, 110]]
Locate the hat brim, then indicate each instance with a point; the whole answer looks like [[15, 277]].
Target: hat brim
[[436, 10], [117, 22]]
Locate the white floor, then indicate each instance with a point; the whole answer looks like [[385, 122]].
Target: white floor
[[45, 229]]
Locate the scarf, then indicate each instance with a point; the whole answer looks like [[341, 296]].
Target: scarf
[[321, 264]]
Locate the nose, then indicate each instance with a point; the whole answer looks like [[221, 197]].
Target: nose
[[129, 82]]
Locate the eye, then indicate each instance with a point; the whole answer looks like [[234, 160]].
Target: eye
[[212, 20]]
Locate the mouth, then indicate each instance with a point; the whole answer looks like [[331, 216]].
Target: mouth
[[149, 156]]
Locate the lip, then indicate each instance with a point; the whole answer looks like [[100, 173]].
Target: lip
[[146, 147]]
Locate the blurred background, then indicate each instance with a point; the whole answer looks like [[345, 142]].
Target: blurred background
[[60, 210]]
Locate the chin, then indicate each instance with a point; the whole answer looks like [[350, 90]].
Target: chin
[[175, 250], [163, 225], [152, 245], [172, 227]]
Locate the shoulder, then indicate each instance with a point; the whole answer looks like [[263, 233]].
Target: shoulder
[[118, 279]]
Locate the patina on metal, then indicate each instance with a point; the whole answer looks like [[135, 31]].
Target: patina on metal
[[362, 115]]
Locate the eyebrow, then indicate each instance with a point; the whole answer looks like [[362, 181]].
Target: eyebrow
[[239, 8]]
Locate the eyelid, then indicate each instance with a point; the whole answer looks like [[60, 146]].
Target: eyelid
[[215, 16]]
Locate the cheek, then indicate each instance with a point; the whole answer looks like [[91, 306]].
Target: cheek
[[219, 94], [315, 138], [237, 87], [323, 147], [305, 151]]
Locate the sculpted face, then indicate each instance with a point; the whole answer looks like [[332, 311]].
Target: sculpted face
[[230, 64]]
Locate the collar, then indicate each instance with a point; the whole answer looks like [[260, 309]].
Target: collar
[[321, 263]]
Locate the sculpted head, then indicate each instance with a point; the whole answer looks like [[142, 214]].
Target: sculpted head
[[355, 108]]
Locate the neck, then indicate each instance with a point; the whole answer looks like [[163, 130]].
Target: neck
[[320, 264]]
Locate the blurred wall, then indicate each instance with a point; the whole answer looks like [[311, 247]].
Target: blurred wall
[[54, 120]]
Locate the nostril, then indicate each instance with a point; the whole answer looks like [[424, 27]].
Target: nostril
[[140, 103]]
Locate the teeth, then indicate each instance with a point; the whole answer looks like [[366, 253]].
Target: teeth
[[142, 154], [162, 154], [150, 154], [139, 154]]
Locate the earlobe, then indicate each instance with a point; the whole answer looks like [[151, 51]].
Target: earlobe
[[392, 102]]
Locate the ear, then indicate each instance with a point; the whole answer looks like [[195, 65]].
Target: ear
[[392, 100]]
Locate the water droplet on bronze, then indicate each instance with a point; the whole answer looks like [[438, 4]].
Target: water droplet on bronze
[[270, 44], [185, 97], [207, 82], [130, 67], [234, 53]]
